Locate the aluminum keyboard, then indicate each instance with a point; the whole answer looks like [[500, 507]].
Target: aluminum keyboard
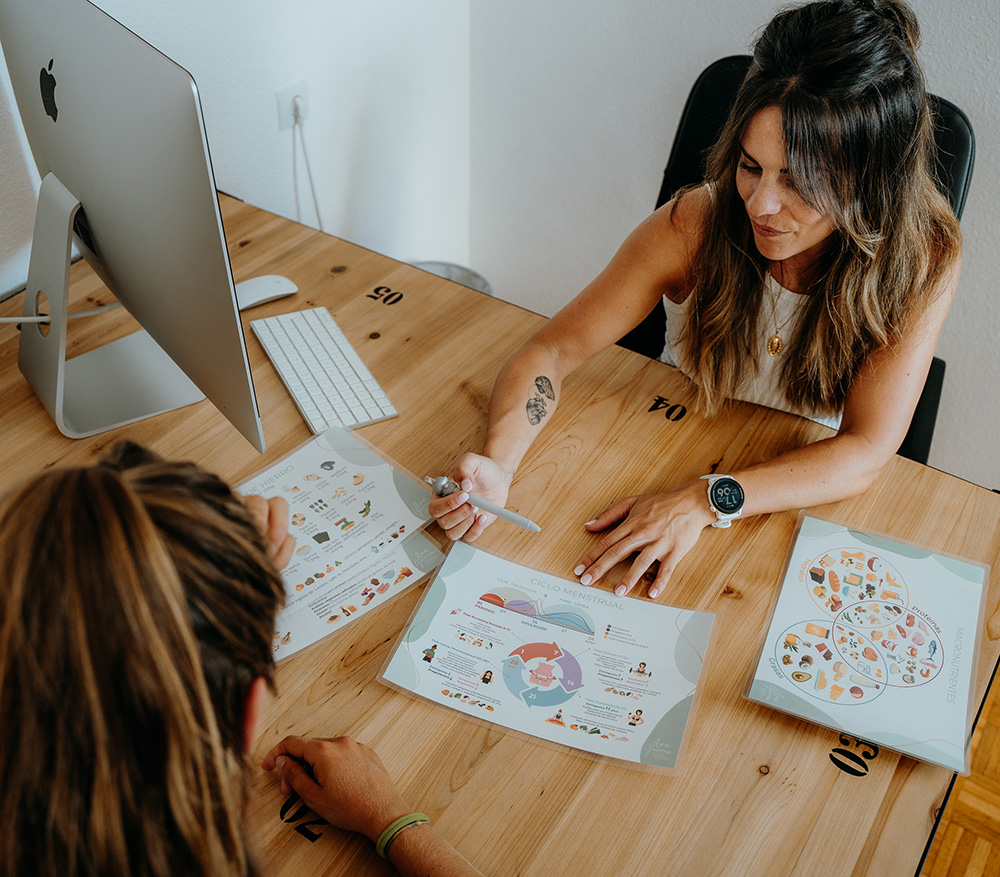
[[329, 382]]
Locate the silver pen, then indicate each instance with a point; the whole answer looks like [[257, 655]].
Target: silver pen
[[443, 486]]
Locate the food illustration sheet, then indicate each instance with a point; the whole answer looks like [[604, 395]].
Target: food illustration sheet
[[357, 522], [608, 675], [877, 638]]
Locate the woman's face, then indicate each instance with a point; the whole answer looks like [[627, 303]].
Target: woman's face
[[785, 227]]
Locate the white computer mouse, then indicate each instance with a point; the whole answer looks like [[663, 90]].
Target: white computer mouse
[[258, 290]]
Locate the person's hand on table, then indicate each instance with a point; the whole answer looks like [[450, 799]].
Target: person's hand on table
[[271, 517], [346, 783], [659, 526], [340, 779], [476, 474]]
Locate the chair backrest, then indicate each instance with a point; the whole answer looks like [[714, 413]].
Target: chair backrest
[[956, 151], [705, 112]]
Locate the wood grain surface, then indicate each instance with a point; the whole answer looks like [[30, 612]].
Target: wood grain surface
[[757, 792]]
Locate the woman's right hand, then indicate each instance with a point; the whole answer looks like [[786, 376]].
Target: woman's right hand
[[476, 474]]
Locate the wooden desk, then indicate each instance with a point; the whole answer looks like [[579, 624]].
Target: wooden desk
[[757, 793]]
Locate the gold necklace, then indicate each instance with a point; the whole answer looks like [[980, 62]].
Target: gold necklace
[[775, 342]]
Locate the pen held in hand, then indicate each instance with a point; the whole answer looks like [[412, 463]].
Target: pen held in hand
[[444, 487]]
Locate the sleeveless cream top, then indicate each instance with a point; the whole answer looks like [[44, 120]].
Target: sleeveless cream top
[[764, 388]]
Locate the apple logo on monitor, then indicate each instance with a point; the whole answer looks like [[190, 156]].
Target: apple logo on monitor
[[48, 86]]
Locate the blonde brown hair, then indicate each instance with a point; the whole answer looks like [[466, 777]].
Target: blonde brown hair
[[137, 603], [858, 140]]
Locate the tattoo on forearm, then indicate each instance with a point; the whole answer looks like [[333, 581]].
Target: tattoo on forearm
[[536, 407], [544, 386]]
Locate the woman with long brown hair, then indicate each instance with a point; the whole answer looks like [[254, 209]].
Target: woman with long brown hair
[[137, 608], [811, 272]]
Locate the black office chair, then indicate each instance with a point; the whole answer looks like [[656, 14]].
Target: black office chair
[[701, 123]]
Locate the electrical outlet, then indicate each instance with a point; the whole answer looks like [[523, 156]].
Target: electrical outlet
[[286, 99]]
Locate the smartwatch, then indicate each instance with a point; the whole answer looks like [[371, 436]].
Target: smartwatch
[[725, 498]]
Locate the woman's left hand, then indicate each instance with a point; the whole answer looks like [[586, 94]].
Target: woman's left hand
[[659, 526]]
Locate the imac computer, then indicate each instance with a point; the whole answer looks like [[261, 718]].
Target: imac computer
[[116, 131]]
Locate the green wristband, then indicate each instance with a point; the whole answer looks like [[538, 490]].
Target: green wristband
[[389, 835]]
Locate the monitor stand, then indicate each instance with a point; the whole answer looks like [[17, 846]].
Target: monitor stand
[[124, 381]]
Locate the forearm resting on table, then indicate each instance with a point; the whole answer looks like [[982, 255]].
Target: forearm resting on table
[[825, 471], [664, 527]]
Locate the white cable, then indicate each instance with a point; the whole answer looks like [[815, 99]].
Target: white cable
[[297, 123], [45, 318], [295, 166]]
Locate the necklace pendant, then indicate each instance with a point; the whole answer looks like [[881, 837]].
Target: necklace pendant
[[774, 344]]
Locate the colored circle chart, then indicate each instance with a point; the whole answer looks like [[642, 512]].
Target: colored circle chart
[[542, 674]]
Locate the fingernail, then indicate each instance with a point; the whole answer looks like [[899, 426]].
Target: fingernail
[[586, 580], [620, 591], [466, 484], [279, 762], [463, 497], [589, 523], [653, 593], [579, 570]]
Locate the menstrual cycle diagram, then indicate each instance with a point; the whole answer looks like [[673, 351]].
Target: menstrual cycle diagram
[[530, 670]]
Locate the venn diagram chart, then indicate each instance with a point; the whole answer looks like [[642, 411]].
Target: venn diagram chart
[[876, 637]]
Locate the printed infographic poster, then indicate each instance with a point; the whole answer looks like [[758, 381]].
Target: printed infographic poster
[[876, 638], [357, 522], [611, 676]]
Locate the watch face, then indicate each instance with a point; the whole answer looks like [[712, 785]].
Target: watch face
[[727, 496]]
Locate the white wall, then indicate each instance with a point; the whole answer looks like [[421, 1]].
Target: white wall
[[387, 135], [524, 139], [574, 107]]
